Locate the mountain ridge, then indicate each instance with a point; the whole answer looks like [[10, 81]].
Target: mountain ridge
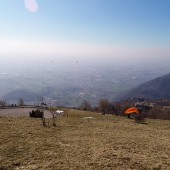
[[154, 89]]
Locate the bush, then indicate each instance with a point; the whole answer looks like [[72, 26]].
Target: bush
[[36, 114], [155, 112]]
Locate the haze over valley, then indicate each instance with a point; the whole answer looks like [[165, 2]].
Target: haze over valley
[[69, 81]]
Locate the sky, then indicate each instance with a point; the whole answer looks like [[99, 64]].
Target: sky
[[117, 29]]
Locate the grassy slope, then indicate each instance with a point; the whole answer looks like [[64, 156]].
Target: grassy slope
[[107, 142]]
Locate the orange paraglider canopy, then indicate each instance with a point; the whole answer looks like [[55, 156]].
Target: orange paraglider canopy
[[131, 110]]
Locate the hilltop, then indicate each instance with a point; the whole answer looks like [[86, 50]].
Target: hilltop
[[102, 142]]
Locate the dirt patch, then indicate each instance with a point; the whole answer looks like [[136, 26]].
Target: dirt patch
[[16, 112]]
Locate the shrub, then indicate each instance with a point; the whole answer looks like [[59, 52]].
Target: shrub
[[36, 114], [155, 112]]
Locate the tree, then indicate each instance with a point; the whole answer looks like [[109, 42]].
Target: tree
[[40, 100], [118, 109], [2, 103], [20, 102], [86, 105], [105, 106]]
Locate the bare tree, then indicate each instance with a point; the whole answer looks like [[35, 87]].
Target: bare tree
[[3, 103], [86, 105], [105, 106], [52, 111], [21, 102], [40, 100]]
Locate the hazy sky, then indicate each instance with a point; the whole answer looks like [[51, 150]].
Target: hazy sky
[[85, 28]]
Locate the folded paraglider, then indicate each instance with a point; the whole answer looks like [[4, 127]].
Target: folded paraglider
[[132, 110]]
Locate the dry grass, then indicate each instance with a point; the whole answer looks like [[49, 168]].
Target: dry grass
[[106, 142]]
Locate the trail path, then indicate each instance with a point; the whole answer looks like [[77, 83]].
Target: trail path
[[16, 112], [19, 112]]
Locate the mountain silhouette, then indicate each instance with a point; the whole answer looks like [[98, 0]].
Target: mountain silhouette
[[154, 89]]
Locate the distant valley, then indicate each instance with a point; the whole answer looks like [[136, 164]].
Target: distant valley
[[70, 82]]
